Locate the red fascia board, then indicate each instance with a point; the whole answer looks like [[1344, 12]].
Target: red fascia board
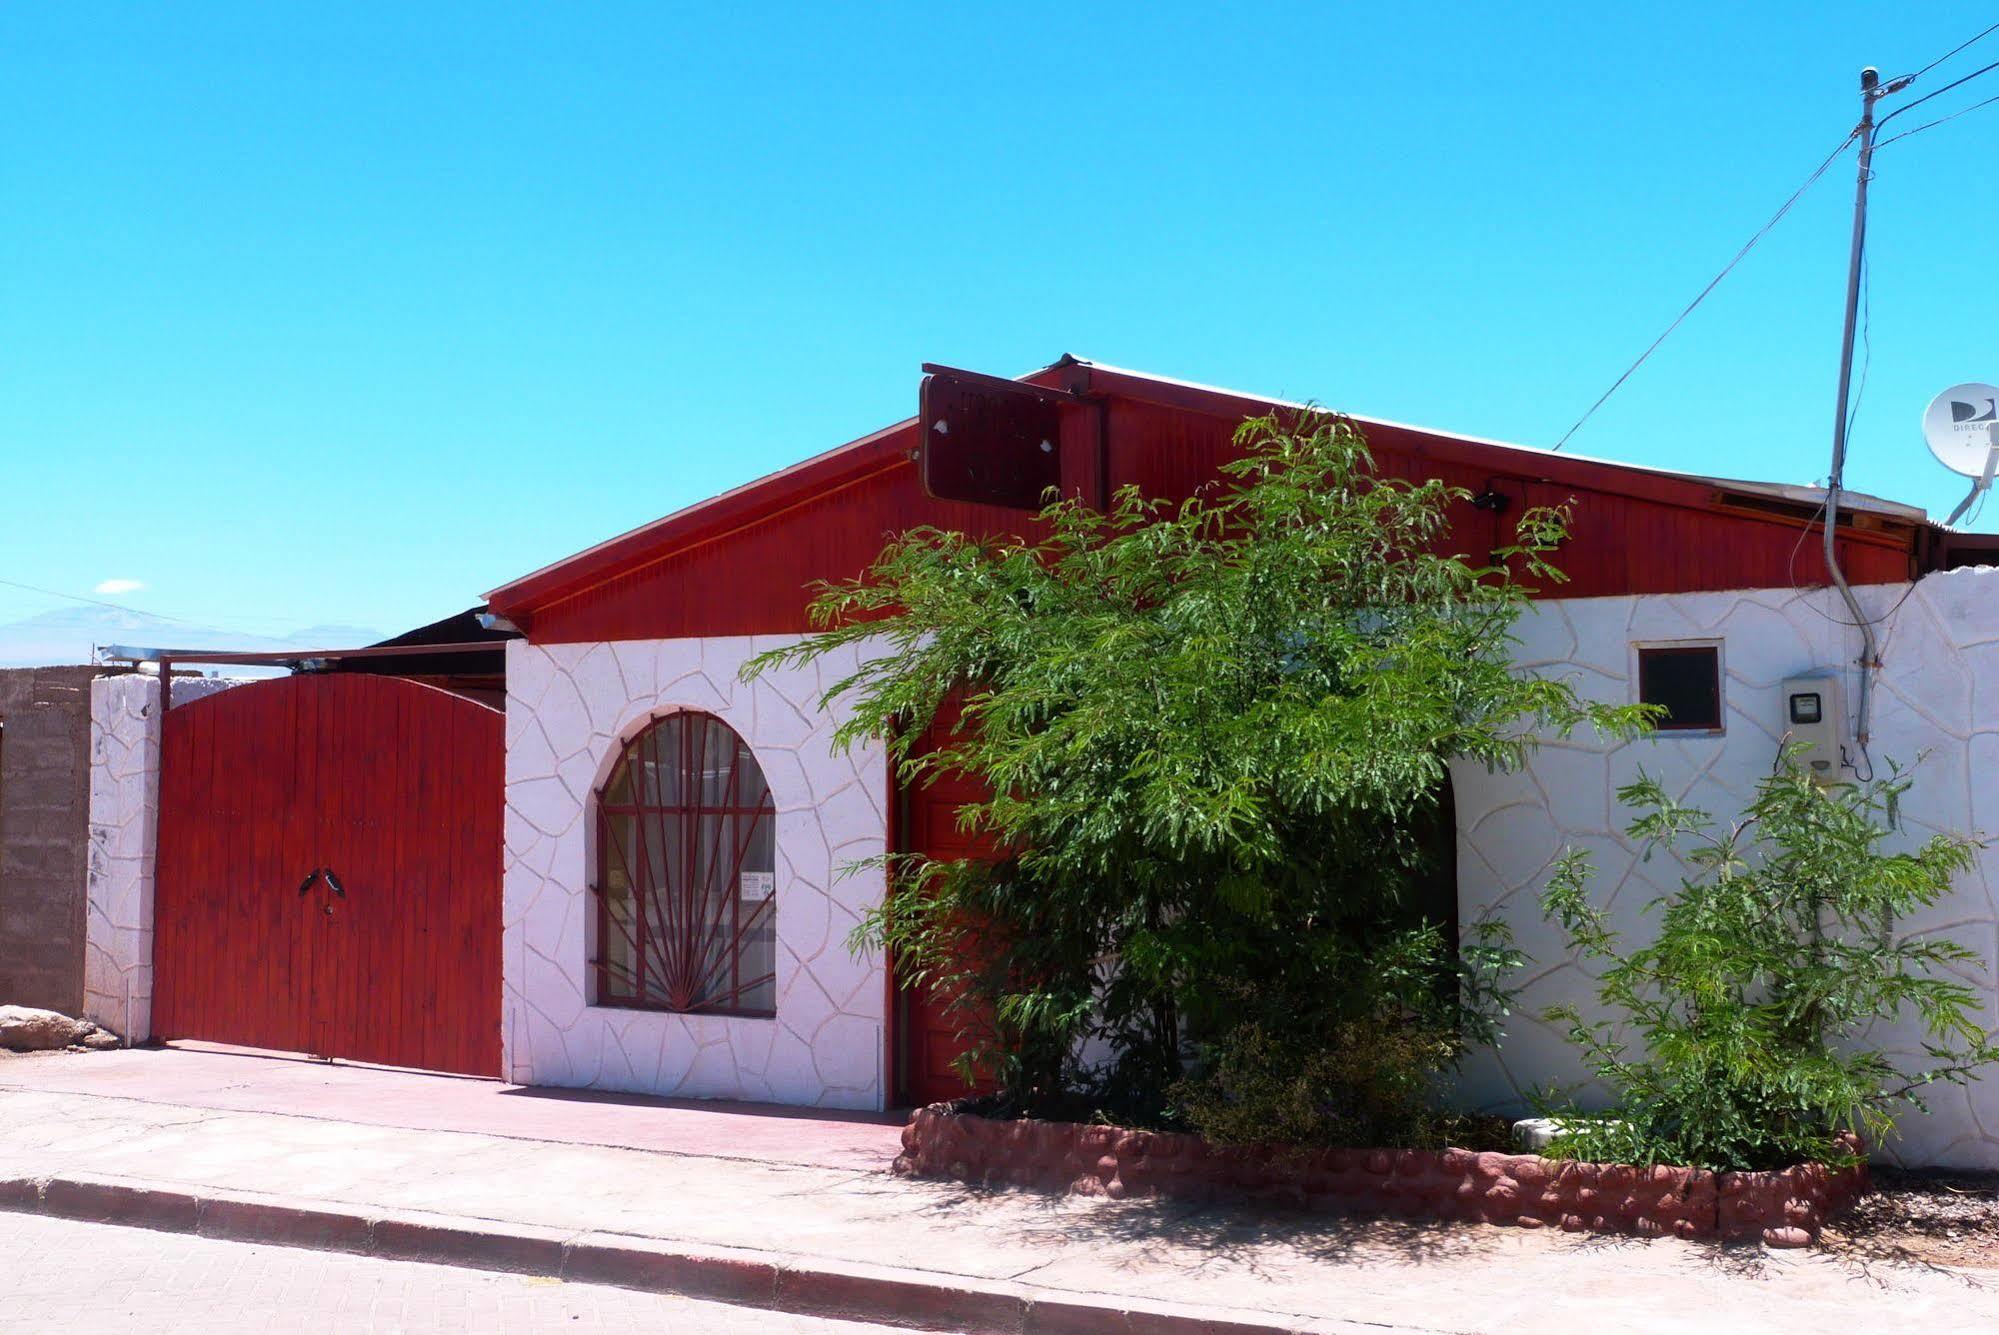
[[1501, 459], [739, 506]]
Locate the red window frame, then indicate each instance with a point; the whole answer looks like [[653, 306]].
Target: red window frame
[[688, 926]]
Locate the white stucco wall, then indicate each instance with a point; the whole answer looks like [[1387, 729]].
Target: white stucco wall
[[124, 810], [569, 709], [1937, 692]]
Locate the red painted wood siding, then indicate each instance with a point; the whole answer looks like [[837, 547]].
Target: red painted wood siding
[[753, 577], [396, 788]]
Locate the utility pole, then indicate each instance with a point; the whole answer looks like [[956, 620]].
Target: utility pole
[[1870, 93]]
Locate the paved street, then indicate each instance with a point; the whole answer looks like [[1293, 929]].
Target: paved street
[[66, 1278]]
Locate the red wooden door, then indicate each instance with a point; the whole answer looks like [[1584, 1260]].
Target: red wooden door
[[328, 873], [927, 1041]]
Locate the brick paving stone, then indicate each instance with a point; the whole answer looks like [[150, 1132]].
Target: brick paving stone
[[68, 1278]]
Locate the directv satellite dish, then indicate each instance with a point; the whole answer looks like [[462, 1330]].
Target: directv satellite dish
[[1962, 428]]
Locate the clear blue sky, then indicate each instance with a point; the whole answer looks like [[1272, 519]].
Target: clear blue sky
[[347, 314]]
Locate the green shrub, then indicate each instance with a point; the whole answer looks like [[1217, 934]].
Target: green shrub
[[1355, 1065], [1213, 735], [1744, 1037]]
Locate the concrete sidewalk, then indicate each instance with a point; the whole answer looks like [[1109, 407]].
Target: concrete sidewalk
[[795, 1212], [206, 1075]]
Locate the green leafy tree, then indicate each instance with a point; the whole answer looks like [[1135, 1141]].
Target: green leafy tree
[[1211, 734], [1745, 1036]]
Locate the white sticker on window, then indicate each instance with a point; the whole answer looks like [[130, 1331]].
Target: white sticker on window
[[754, 886]]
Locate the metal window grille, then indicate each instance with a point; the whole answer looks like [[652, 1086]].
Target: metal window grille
[[686, 873]]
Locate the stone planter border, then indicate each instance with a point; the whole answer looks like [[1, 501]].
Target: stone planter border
[[1781, 1209]]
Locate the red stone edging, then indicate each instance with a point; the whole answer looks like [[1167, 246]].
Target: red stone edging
[[1782, 1209]]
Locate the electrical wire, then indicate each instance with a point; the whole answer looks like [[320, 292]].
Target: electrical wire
[[1977, 509], [94, 602], [1870, 655], [1713, 283], [1931, 125], [1961, 46], [1866, 334], [1818, 517], [1954, 83], [1893, 84], [1881, 620], [1791, 567], [139, 611]]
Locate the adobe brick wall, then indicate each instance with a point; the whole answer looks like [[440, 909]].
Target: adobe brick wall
[[44, 834]]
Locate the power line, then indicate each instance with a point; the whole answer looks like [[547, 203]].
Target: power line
[[141, 612], [1931, 125], [94, 602], [1823, 167], [1954, 83], [1713, 283], [1911, 78]]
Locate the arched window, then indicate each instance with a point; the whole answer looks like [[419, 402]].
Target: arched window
[[687, 873]]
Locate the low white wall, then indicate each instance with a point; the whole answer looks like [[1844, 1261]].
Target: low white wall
[[569, 710], [124, 813], [1936, 692]]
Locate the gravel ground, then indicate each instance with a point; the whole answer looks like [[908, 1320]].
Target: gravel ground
[[1929, 1218]]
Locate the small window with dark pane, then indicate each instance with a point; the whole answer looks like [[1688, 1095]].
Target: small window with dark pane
[[1686, 681]]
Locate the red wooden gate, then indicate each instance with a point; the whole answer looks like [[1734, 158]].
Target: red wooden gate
[[328, 872]]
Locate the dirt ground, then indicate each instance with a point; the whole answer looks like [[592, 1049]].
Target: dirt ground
[[1928, 1218]]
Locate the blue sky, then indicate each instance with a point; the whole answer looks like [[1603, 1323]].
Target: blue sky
[[348, 314]]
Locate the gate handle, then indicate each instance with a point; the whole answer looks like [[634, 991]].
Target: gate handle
[[332, 882]]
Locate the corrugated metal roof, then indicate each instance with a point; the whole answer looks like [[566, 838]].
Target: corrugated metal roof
[[1807, 495]]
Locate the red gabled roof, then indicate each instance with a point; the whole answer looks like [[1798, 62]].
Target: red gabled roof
[[754, 500], [812, 482]]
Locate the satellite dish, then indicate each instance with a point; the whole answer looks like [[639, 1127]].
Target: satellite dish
[[1959, 426]]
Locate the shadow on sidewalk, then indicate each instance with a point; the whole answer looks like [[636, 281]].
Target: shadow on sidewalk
[[1245, 1239]]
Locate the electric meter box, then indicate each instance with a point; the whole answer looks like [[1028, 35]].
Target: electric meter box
[[1815, 715]]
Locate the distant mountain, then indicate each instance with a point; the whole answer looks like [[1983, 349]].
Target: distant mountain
[[72, 634]]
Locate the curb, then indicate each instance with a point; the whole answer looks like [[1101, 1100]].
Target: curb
[[771, 1281]]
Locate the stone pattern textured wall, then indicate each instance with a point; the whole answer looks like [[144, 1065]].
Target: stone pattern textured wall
[[1783, 1209], [44, 796], [124, 792], [1936, 697], [569, 709]]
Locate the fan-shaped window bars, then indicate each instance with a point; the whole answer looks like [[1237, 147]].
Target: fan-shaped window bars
[[686, 873]]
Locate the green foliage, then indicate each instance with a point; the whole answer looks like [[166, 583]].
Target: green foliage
[[1755, 1010], [1212, 734], [1352, 1070]]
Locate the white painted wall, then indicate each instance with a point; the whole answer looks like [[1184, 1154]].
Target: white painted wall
[[1936, 692], [569, 710], [124, 812]]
